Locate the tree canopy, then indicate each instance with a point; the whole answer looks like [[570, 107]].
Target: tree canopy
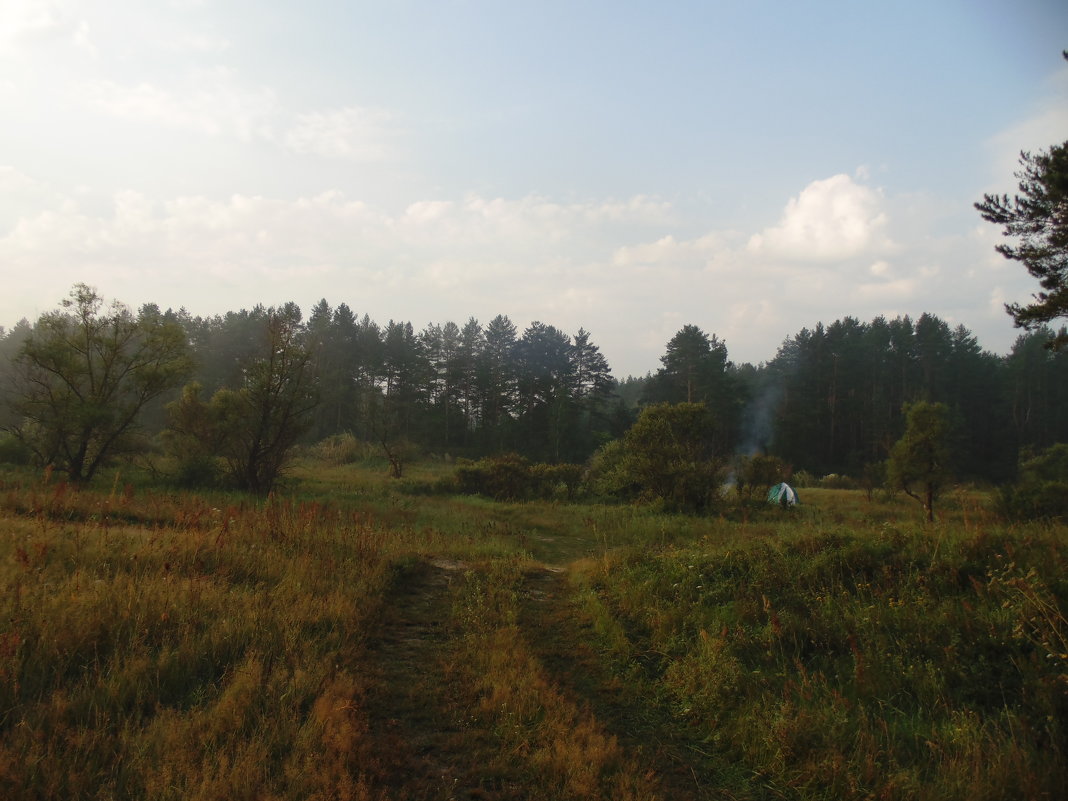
[[84, 374], [253, 426], [920, 462], [1036, 221], [830, 401], [669, 457]]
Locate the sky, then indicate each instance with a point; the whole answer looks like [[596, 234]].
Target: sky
[[624, 167]]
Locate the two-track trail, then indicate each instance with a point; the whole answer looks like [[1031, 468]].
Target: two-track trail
[[423, 750], [487, 684], [646, 732]]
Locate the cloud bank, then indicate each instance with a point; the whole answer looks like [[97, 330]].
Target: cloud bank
[[606, 265]]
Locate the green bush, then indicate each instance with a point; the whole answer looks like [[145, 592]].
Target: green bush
[[550, 481], [755, 474], [836, 481], [341, 449], [607, 476], [666, 459], [198, 471], [511, 477], [505, 477], [1041, 491], [12, 451]]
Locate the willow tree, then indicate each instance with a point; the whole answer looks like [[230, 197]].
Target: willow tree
[[253, 427], [84, 375]]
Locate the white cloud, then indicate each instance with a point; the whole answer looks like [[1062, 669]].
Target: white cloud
[[428, 211], [615, 267], [250, 245], [997, 300], [83, 41], [30, 20], [697, 253], [199, 42], [831, 220], [211, 102], [26, 24], [217, 103], [351, 133], [897, 291]]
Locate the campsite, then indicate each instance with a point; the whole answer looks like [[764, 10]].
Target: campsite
[[251, 557], [513, 401], [364, 637]]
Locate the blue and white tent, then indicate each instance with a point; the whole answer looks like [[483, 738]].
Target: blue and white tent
[[782, 494]]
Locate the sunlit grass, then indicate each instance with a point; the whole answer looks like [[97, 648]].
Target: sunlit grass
[[159, 644], [203, 653], [886, 661]]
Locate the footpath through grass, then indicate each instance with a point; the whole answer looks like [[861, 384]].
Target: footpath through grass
[[360, 642]]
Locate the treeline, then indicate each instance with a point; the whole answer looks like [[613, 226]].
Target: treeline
[[830, 401], [831, 398], [447, 389], [469, 390]]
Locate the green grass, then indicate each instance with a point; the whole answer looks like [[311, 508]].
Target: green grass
[[354, 637]]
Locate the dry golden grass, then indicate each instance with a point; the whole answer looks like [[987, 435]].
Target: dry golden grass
[[374, 642], [157, 646]]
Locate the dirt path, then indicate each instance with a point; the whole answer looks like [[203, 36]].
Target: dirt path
[[423, 748], [565, 643], [430, 738]]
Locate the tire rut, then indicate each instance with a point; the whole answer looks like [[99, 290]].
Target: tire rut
[[565, 645], [423, 750]]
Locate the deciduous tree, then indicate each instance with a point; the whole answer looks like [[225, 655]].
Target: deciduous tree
[[253, 427], [85, 373], [667, 456], [920, 461]]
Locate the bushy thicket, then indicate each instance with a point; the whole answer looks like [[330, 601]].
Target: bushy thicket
[[511, 477], [666, 459], [12, 451], [753, 475], [853, 664], [1041, 491]]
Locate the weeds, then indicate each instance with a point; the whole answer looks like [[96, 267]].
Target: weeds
[[171, 645], [857, 663]]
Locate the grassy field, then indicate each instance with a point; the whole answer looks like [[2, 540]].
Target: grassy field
[[355, 637]]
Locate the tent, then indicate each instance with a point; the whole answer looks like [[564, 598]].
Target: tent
[[782, 494]]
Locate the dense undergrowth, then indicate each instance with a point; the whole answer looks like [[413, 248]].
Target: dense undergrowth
[[885, 663], [166, 645]]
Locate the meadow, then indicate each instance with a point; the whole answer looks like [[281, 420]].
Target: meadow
[[356, 637]]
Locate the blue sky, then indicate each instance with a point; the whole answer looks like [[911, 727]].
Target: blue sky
[[625, 167]]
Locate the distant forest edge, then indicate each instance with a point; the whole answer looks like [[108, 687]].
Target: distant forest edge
[[830, 401]]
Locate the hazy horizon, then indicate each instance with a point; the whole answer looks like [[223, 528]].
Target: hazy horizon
[[626, 168]]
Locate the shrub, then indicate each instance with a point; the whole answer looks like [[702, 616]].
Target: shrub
[[1042, 489], [344, 448], [198, 471], [12, 451], [552, 480], [607, 476], [666, 458], [836, 481], [872, 477], [755, 474], [505, 477]]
